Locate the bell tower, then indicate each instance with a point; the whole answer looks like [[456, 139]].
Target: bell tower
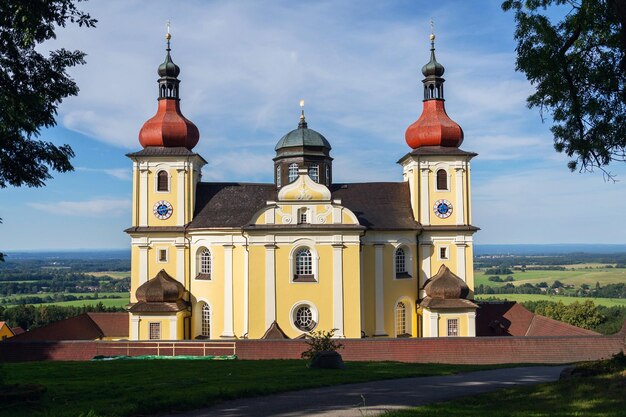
[[438, 173]]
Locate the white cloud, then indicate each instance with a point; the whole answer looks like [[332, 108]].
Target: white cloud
[[123, 174], [98, 207]]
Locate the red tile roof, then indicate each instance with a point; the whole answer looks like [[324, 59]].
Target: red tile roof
[[82, 327], [509, 318]]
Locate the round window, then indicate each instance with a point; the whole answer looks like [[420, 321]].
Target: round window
[[304, 318]]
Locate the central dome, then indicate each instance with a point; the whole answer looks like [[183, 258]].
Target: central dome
[[302, 136]]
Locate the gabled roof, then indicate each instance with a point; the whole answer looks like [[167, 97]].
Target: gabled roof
[[509, 318], [3, 324], [82, 327], [377, 205]]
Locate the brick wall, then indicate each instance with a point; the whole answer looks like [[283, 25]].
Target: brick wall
[[483, 350]]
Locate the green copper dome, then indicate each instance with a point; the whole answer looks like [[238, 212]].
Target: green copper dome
[[433, 68], [168, 68], [302, 136]]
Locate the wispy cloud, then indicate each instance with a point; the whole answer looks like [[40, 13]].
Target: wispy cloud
[[99, 207], [123, 174]]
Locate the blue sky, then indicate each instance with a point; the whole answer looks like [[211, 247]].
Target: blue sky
[[244, 67]]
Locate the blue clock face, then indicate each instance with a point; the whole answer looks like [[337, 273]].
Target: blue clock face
[[162, 210], [442, 208]]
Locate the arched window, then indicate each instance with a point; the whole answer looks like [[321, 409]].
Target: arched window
[[204, 264], [400, 261], [400, 320], [278, 179], [327, 175], [206, 320], [293, 172], [314, 172], [303, 318], [163, 181], [303, 268], [442, 179]]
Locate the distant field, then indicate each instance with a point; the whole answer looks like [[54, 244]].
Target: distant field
[[571, 277], [107, 302], [608, 302], [112, 274]]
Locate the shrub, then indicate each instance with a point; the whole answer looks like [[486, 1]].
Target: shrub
[[321, 341]]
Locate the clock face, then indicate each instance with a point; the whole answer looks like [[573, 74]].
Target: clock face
[[442, 208], [162, 210]]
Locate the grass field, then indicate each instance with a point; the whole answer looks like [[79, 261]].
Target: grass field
[[125, 388], [588, 396], [107, 302], [576, 277], [609, 302]]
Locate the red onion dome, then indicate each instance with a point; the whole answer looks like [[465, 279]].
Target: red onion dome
[[169, 128], [434, 127]]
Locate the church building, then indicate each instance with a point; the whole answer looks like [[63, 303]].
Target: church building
[[226, 260]]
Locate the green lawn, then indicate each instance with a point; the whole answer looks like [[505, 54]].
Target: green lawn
[[590, 396], [125, 388], [609, 302], [571, 277]]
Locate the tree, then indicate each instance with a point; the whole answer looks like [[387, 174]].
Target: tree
[[32, 86], [577, 64]]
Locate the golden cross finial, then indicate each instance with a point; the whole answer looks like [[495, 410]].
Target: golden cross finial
[[302, 107], [168, 36], [432, 29]]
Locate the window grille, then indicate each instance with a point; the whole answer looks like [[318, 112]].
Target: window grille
[[278, 179], [155, 331], [443, 253], [303, 216], [304, 263], [400, 261], [314, 173], [293, 172], [453, 327], [327, 175], [205, 262], [163, 181], [400, 319], [206, 320], [304, 318], [442, 179]]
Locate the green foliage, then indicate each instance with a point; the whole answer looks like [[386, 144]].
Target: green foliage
[[586, 314], [499, 271], [30, 317], [320, 341], [32, 86], [573, 53]]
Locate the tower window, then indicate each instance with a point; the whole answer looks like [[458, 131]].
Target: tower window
[[278, 179], [443, 252], [163, 181], [162, 255], [314, 172], [204, 267], [293, 172], [453, 327], [400, 263], [303, 216], [400, 319], [327, 175], [155, 331], [206, 320], [442, 179]]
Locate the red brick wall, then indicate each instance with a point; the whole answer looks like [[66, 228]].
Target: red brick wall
[[483, 350]]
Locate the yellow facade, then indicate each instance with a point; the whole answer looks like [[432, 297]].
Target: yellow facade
[[241, 281], [5, 331]]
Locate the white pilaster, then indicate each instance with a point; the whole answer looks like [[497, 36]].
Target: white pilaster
[[173, 328], [246, 283], [338, 289], [143, 196], [143, 263], [434, 324], [459, 207], [180, 263], [228, 292], [270, 285], [380, 291], [425, 201], [180, 189], [134, 328], [426, 272], [471, 322], [460, 260]]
